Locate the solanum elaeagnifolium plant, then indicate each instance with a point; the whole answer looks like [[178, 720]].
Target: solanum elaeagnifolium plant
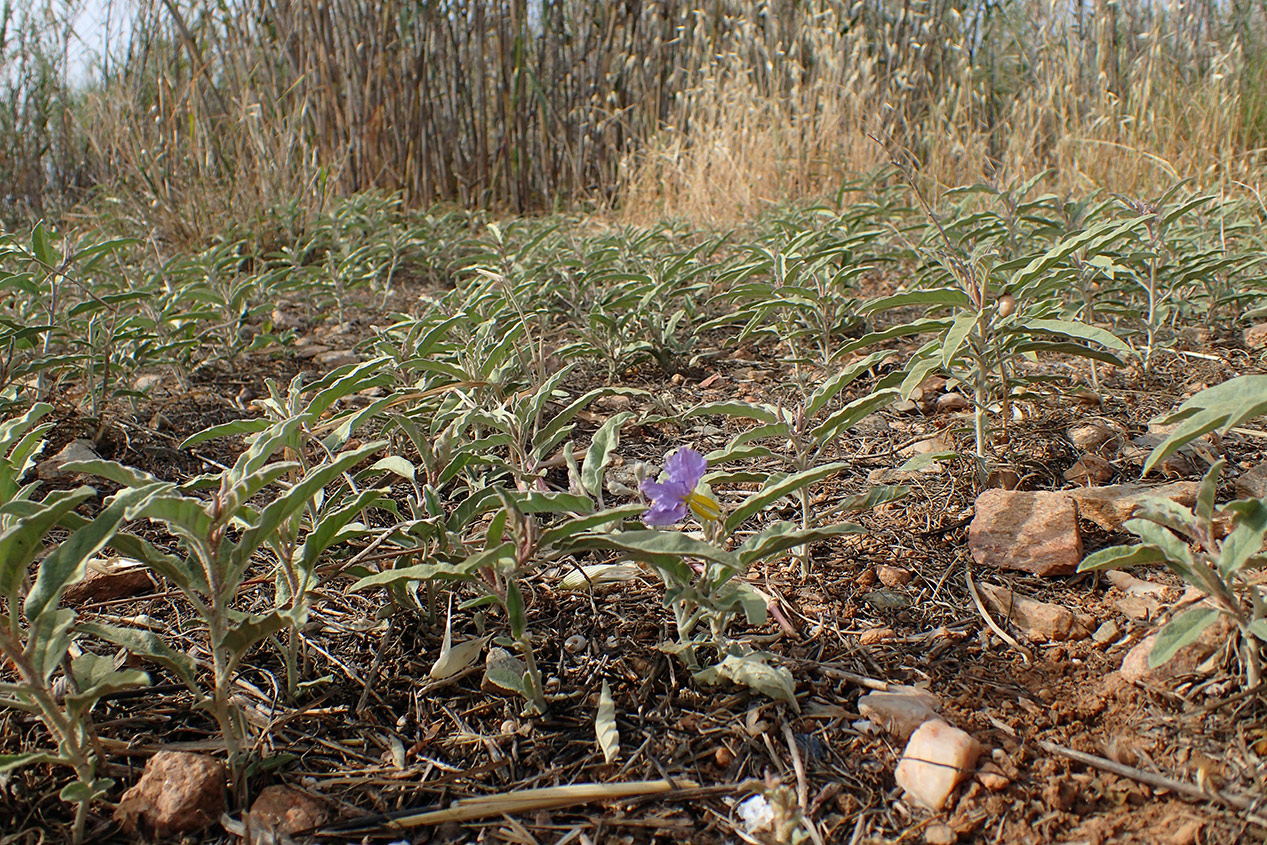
[[219, 537], [799, 435], [703, 575], [36, 633], [991, 306], [1189, 543], [1192, 544]]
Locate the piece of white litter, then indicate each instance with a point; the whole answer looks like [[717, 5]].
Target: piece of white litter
[[757, 814]]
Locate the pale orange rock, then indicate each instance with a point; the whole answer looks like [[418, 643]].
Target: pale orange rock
[[1110, 507], [937, 757], [284, 809], [179, 793], [1027, 531]]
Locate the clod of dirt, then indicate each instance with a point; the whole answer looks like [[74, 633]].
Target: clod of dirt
[[283, 809], [992, 777], [75, 450], [899, 713], [940, 834], [178, 793], [1039, 620], [1026, 531], [893, 576], [937, 757], [1110, 507]]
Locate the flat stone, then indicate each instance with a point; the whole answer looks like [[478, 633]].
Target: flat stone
[[1026, 531], [146, 383], [1090, 469], [1108, 632], [1040, 621], [1110, 507], [337, 358], [898, 713], [179, 793], [1187, 661], [1252, 483], [108, 583], [286, 810], [937, 757], [1139, 608], [1255, 336], [1132, 586], [75, 450], [1096, 436]]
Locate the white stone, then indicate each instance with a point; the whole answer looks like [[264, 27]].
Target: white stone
[[937, 757], [900, 714]]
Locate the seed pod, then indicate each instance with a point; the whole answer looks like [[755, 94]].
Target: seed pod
[[1007, 305]]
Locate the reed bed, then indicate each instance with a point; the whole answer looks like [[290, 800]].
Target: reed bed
[[713, 110]]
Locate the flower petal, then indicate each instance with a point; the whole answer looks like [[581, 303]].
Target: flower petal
[[686, 466], [667, 490], [664, 512]]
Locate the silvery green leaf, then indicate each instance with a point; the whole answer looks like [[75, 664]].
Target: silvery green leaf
[[505, 672], [753, 671], [1246, 539], [1179, 632], [148, 645], [1121, 557], [777, 489], [1220, 407]]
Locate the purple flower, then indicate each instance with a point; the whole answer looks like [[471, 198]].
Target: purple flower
[[673, 497]]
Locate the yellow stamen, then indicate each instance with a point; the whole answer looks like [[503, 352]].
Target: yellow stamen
[[704, 506]]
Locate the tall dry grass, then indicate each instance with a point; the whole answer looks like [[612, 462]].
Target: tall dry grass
[[1129, 96], [220, 109]]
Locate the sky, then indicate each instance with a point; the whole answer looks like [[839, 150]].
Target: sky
[[92, 36]]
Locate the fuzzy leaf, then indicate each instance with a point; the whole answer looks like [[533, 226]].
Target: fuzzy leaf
[[1179, 632]]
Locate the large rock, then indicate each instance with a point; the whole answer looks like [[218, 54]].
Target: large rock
[[179, 793], [1110, 507], [1252, 483], [1040, 621], [1027, 531], [936, 759]]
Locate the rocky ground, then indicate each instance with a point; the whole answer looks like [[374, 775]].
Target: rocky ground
[[957, 681]]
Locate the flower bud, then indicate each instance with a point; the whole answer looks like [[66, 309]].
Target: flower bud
[[1007, 305]]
